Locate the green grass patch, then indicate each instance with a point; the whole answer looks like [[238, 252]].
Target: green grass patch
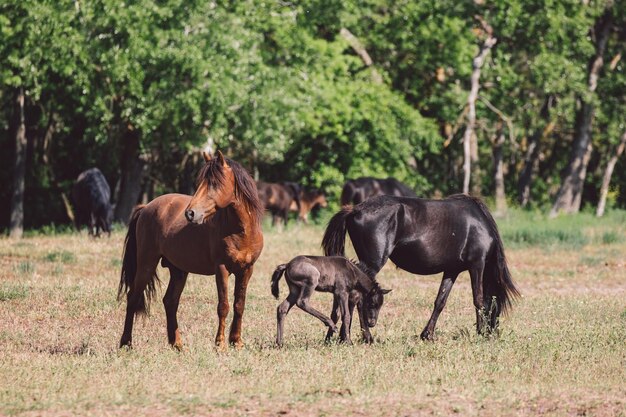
[[24, 268], [62, 256], [13, 292]]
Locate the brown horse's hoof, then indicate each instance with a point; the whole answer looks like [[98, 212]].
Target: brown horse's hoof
[[237, 344], [177, 346], [221, 346]]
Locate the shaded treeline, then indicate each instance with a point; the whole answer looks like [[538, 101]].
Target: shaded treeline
[[316, 92]]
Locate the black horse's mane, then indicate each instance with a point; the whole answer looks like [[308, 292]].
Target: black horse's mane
[[245, 187]]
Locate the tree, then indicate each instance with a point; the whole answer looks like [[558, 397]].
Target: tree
[[569, 196]]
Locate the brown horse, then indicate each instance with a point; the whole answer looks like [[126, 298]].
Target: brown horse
[[309, 199], [217, 231], [277, 198]]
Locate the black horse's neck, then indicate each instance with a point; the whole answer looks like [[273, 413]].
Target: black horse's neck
[[364, 277]]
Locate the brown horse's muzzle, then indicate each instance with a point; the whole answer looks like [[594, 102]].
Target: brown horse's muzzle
[[200, 214]]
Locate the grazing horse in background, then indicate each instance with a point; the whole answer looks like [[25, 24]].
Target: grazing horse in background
[[360, 189], [277, 198], [309, 200], [91, 195], [427, 237], [217, 231]]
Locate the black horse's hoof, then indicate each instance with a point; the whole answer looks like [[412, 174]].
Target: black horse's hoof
[[427, 336]]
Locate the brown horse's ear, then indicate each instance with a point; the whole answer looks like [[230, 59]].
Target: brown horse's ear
[[206, 156], [384, 291], [221, 159]]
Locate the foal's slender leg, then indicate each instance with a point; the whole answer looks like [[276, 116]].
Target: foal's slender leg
[[303, 303], [346, 319], [334, 316], [282, 311], [221, 279], [241, 286], [444, 290], [476, 275], [171, 299], [365, 330]]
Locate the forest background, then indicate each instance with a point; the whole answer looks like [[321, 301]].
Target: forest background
[[522, 101]]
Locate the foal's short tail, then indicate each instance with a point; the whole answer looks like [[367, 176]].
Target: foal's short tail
[[129, 265], [497, 281], [334, 241], [278, 272]]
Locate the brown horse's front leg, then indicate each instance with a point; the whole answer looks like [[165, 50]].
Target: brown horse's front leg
[[221, 279], [241, 285]]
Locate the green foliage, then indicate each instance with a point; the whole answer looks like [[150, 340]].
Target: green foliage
[[277, 87]]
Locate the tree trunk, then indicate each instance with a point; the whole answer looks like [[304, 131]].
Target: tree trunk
[[130, 178], [568, 198], [16, 224], [360, 50], [498, 173], [477, 64], [606, 180]]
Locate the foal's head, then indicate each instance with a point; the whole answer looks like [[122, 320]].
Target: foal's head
[[215, 190], [372, 302]]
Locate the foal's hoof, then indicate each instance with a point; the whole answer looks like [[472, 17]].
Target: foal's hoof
[[368, 339]]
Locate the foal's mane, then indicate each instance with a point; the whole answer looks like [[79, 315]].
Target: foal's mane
[[245, 187], [369, 272]]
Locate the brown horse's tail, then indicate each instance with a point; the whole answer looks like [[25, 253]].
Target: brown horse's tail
[[278, 272], [497, 282], [334, 241], [129, 266]]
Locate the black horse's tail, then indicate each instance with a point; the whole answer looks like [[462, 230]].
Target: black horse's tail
[[334, 241], [278, 272], [497, 281], [129, 266]]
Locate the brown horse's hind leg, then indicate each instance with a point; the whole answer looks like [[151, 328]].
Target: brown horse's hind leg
[[444, 290], [221, 279], [171, 299], [135, 300], [241, 286]]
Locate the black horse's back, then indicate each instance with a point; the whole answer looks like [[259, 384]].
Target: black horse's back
[[91, 195]]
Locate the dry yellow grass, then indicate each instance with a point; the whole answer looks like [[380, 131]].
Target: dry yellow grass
[[562, 351]]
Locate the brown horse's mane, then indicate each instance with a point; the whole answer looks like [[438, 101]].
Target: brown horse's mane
[[245, 187]]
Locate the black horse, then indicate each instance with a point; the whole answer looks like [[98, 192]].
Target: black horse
[[360, 189], [427, 237], [91, 195]]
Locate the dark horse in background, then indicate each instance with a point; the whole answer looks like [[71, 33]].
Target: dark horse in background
[[217, 231], [277, 198], [427, 237], [91, 196], [358, 190]]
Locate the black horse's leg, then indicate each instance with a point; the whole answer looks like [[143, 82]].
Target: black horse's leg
[[444, 290], [281, 312], [334, 316], [171, 299], [476, 275]]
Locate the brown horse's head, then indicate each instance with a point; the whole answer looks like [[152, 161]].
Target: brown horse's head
[[215, 190]]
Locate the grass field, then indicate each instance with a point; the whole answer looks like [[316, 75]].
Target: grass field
[[562, 351]]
